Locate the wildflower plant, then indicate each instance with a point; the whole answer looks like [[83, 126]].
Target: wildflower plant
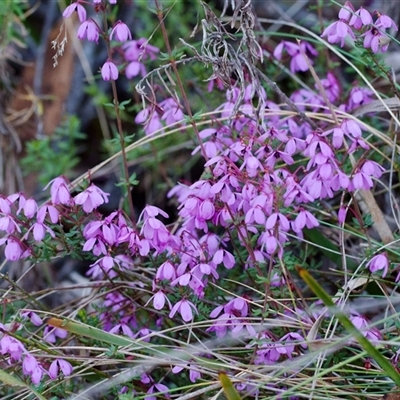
[[288, 182]]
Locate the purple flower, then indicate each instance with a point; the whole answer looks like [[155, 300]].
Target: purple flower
[[9, 224], [346, 12], [225, 257], [362, 324], [11, 346], [376, 40], [35, 319], [359, 96], [337, 32], [30, 207], [122, 329], [385, 22], [150, 118], [304, 219], [331, 86], [59, 191], [361, 18], [91, 198], [78, 8], [50, 334], [290, 340], [15, 249], [89, 30], [109, 71], [134, 68], [166, 271], [184, 307], [47, 210], [159, 300], [298, 61], [379, 262], [60, 364], [194, 374], [31, 367], [120, 32]]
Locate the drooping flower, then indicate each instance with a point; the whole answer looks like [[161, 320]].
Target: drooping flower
[[379, 262], [78, 8], [109, 71], [120, 32], [337, 32], [296, 52], [58, 365], [91, 198], [184, 307], [360, 18], [88, 30]]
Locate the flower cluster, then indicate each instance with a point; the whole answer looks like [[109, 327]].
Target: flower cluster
[[13, 349], [265, 173], [361, 23], [135, 51]]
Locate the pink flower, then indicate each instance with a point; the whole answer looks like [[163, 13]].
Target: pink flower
[[9, 224], [159, 300], [298, 61], [184, 307], [78, 8], [91, 198], [15, 249], [11, 346], [166, 271], [379, 262], [35, 319], [337, 32], [304, 219], [346, 12], [359, 96], [89, 30], [385, 22], [290, 340], [361, 18], [122, 329], [376, 40], [50, 334], [31, 367], [120, 32], [362, 324], [47, 210], [60, 364], [223, 256], [30, 208], [109, 71], [134, 68], [59, 191], [150, 118], [194, 374], [331, 86]]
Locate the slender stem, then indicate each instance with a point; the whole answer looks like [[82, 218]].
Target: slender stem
[[186, 103], [119, 128]]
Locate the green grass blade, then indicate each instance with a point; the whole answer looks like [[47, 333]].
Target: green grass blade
[[90, 332], [11, 380], [345, 321], [229, 390]]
